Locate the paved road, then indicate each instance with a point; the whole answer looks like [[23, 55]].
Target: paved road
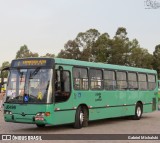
[[149, 124]]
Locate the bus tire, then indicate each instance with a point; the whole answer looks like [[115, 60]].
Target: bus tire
[[79, 118], [85, 119], [40, 125], [138, 112]]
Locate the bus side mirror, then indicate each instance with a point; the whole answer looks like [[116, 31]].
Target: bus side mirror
[[2, 77]]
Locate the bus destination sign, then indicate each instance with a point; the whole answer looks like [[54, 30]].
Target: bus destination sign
[[31, 62]]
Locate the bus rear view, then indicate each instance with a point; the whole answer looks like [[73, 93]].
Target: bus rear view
[[29, 92]]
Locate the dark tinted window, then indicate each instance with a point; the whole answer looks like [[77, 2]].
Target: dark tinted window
[[62, 86]]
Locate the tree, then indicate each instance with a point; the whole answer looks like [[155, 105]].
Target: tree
[[121, 33], [85, 41], [141, 58], [93, 46], [135, 50], [156, 59], [101, 49], [80, 47], [120, 50], [24, 52], [5, 64], [71, 51], [49, 55]]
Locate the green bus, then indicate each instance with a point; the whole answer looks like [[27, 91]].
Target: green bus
[[47, 91]]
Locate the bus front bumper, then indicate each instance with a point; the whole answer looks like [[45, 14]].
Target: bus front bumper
[[30, 119]]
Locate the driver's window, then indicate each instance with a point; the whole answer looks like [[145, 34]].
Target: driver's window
[[66, 81], [62, 85]]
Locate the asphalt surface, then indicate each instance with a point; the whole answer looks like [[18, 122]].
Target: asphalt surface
[[149, 124]]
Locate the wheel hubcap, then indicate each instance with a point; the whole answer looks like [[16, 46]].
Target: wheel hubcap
[[138, 111], [81, 117]]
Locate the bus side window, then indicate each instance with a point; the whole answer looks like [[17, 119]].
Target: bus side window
[[121, 80], [151, 82], [132, 81], [109, 80], [80, 78], [96, 79], [142, 78]]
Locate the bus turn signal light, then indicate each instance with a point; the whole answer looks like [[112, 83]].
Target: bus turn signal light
[[47, 113]]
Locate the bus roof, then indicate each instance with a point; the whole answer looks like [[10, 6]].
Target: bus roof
[[101, 65], [87, 64]]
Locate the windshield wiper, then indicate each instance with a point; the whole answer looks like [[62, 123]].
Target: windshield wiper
[[34, 72]]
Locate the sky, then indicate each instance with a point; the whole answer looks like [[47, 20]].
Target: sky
[[46, 25]]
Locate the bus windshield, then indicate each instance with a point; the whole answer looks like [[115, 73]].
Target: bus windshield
[[29, 86]]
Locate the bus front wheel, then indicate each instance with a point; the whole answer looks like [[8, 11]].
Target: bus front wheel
[[81, 118], [138, 112]]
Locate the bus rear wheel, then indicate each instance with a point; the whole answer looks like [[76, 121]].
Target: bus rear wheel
[[40, 125], [81, 118], [138, 112]]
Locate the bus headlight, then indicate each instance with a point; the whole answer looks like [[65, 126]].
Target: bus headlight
[[7, 112], [39, 116]]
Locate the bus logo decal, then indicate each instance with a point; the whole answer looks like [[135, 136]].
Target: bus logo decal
[[10, 107], [79, 95], [98, 97]]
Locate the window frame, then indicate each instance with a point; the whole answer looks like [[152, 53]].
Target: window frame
[[87, 76], [125, 71], [142, 81], [133, 81], [109, 80], [151, 82], [69, 96], [102, 81]]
